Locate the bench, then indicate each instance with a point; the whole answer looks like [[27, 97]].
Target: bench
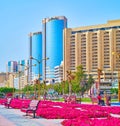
[[69, 99], [78, 100], [8, 102], [31, 108], [94, 100], [72, 99]]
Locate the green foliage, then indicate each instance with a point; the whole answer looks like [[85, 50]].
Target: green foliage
[[77, 83], [79, 74], [66, 87], [90, 82], [58, 88], [114, 90], [81, 83], [28, 88], [6, 90]]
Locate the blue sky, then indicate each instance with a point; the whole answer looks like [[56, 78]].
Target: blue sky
[[20, 17]]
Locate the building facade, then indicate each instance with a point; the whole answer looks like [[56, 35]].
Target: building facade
[[35, 40], [17, 73], [11, 66], [93, 47], [58, 70], [3, 79], [23, 74], [52, 44], [23, 66], [11, 70]]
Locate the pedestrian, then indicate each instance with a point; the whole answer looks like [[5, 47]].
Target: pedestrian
[[45, 95], [109, 100], [100, 100]]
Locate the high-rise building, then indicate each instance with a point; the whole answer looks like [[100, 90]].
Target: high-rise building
[[11, 69], [36, 53], [52, 44], [92, 47], [23, 66], [58, 70], [3, 79], [18, 73], [11, 66], [23, 74]]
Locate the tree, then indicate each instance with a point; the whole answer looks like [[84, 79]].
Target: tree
[[58, 88], [90, 82], [66, 87], [79, 81], [114, 90], [6, 90], [70, 77]]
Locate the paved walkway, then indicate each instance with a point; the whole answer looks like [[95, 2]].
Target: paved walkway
[[14, 117], [5, 122]]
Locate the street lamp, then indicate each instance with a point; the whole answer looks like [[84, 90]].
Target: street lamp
[[38, 61], [118, 56], [19, 82], [27, 68]]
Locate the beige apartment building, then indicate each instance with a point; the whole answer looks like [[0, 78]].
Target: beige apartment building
[[93, 47], [3, 79]]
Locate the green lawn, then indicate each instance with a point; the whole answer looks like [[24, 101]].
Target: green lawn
[[85, 99], [88, 100]]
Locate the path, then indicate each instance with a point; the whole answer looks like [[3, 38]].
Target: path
[[14, 117]]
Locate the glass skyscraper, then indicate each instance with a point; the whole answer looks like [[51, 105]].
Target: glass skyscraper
[[11, 66], [36, 53], [23, 66], [52, 44]]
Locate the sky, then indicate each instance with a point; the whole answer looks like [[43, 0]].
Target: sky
[[20, 17]]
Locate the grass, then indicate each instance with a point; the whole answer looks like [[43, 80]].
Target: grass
[[86, 99], [89, 100], [114, 100]]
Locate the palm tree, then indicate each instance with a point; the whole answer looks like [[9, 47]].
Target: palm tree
[[99, 74], [80, 79], [70, 77], [90, 83]]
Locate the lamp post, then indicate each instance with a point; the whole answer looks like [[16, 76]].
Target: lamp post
[[118, 56], [38, 61], [19, 83]]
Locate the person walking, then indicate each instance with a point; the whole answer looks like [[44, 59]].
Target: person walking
[[100, 100]]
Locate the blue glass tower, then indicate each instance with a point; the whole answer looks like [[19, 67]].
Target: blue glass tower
[[23, 66], [36, 53], [52, 44], [11, 66]]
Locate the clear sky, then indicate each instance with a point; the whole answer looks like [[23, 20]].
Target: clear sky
[[20, 17]]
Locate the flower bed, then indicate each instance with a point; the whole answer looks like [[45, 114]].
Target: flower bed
[[18, 103], [74, 114], [67, 111], [2, 101], [110, 121]]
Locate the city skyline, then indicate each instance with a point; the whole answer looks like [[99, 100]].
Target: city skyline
[[19, 18]]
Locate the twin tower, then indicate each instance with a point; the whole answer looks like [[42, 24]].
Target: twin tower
[[47, 44]]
